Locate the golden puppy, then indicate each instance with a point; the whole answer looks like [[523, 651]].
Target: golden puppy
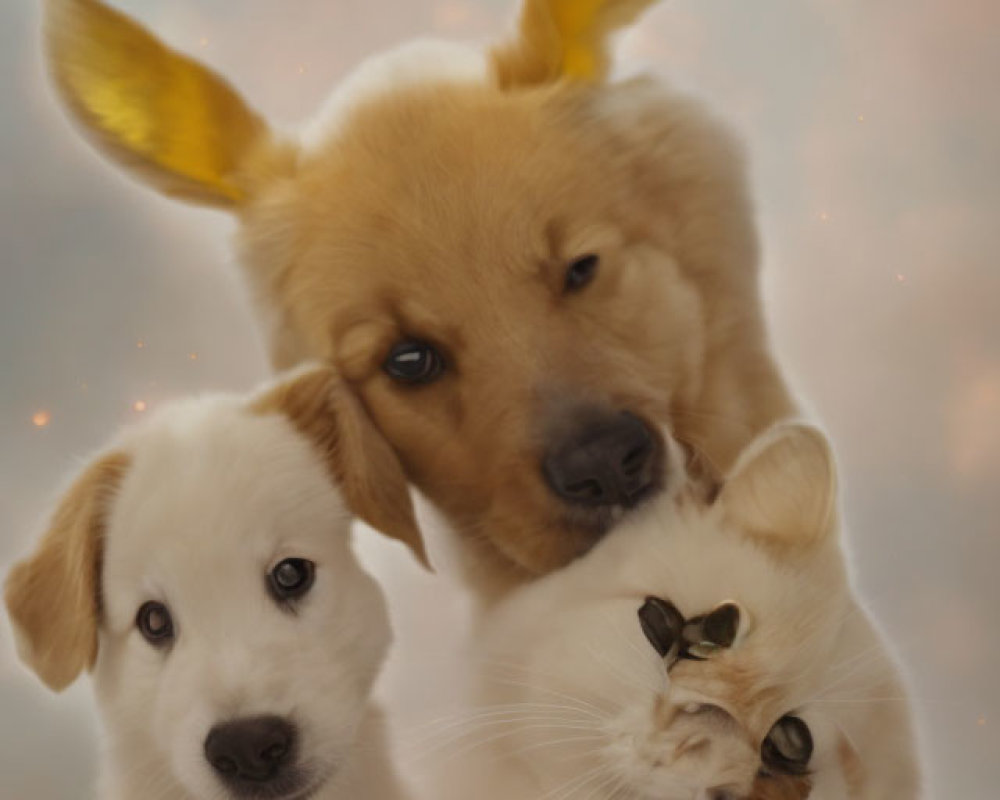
[[522, 268]]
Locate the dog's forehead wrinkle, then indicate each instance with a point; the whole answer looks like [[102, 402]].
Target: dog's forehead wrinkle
[[467, 153]]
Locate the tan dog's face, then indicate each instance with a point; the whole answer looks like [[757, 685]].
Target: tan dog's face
[[491, 308], [523, 276]]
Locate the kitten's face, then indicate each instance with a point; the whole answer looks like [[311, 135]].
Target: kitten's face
[[597, 712]]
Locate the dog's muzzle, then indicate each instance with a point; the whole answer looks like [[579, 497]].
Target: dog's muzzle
[[606, 460], [253, 754]]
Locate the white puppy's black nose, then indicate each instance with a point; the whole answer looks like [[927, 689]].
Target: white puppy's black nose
[[609, 460], [255, 749]]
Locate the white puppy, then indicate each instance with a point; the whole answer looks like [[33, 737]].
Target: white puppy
[[202, 568]]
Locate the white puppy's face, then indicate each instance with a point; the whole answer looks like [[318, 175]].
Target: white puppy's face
[[204, 569], [236, 617]]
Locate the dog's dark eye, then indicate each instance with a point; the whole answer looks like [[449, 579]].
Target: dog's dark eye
[[662, 623], [414, 362], [291, 578], [581, 271], [155, 624], [787, 747]]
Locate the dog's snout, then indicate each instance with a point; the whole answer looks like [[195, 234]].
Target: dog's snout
[[612, 460], [253, 749]]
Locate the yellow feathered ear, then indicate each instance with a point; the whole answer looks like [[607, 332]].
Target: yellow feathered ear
[[163, 116], [53, 598], [560, 39]]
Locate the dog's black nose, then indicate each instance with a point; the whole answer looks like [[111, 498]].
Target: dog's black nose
[[252, 749], [610, 460]]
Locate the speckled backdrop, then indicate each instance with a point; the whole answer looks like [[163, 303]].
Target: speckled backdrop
[[874, 132]]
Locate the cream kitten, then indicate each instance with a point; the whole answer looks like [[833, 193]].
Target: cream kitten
[[709, 649]]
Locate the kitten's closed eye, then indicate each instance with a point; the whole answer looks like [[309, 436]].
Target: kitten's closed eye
[[662, 623], [724, 627], [787, 747], [698, 638]]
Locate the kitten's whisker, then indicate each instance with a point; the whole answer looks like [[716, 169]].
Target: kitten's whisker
[[559, 792], [495, 737], [507, 727], [556, 742], [442, 723], [602, 787], [617, 673], [657, 673], [604, 713]]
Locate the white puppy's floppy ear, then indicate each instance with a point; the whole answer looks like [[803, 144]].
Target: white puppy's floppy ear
[[53, 597], [783, 488], [563, 39], [164, 117], [363, 465]]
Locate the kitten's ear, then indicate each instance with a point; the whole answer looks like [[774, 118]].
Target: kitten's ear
[[783, 489], [560, 39], [363, 465], [164, 117], [53, 597]]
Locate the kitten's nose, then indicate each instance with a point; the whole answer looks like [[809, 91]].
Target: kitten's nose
[[253, 749]]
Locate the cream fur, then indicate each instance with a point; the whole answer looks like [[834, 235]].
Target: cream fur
[[424, 61], [574, 702], [217, 491]]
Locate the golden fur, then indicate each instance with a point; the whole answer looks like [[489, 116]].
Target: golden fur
[[448, 211], [361, 464], [54, 599]]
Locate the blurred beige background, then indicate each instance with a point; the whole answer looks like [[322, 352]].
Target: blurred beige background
[[874, 133]]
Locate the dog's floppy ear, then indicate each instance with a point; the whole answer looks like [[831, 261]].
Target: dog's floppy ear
[[559, 39], [362, 463], [783, 489], [164, 117], [53, 597]]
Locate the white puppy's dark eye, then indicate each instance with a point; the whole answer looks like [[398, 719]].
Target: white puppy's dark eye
[[291, 578], [155, 624], [413, 362], [581, 271], [787, 747]]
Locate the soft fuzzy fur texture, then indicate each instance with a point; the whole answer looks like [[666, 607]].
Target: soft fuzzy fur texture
[[193, 509], [576, 703], [442, 198]]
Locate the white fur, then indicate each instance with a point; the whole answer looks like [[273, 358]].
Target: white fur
[[575, 704], [214, 497]]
